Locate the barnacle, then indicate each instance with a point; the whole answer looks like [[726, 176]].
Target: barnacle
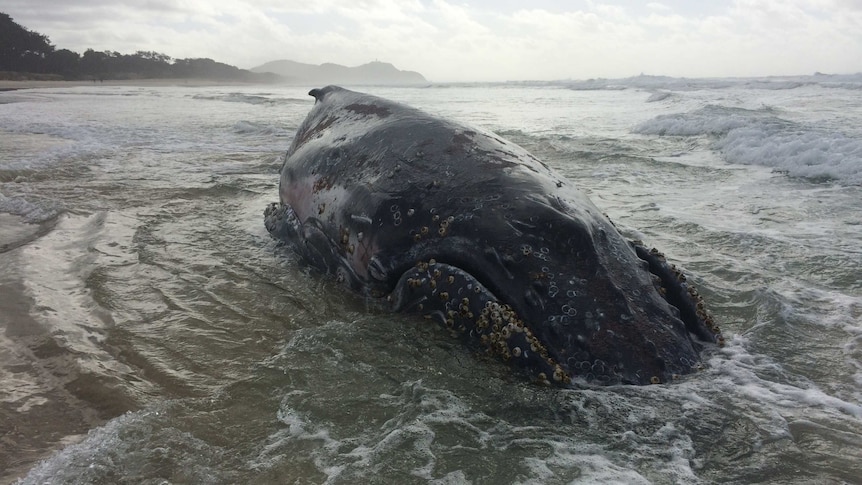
[[559, 374]]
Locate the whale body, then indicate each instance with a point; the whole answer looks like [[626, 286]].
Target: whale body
[[430, 216]]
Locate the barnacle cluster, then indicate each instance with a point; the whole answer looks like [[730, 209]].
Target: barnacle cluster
[[468, 310], [439, 226], [704, 315]]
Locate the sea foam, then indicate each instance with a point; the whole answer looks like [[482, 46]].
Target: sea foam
[[758, 137], [32, 212]]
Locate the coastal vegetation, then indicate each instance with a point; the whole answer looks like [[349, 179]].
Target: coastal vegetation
[[28, 55]]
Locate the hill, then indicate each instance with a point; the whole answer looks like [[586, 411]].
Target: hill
[[310, 74]]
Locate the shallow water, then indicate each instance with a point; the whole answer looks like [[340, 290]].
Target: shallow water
[[153, 331]]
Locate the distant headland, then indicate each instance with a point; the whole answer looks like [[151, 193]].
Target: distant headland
[[376, 72]]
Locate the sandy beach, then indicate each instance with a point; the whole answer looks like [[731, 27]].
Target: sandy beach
[[7, 85]]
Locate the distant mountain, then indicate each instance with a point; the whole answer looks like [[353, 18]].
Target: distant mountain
[[311, 74]]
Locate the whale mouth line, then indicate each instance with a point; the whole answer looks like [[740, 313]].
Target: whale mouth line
[[681, 295]]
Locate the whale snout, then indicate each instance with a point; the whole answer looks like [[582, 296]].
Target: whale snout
[[610, 320]]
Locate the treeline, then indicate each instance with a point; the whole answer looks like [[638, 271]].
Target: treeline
[[29, 55]]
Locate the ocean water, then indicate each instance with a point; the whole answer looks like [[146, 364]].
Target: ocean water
[[153, 333]]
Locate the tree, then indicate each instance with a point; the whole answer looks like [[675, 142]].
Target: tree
[[154, 56], [65, 63], [21, 49], [151, 64], [93, 63]]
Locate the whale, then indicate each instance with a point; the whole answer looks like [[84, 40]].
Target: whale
[[424, 215]]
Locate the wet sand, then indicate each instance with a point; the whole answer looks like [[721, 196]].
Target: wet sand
[[41, 401], [51, 397], [6, 85]]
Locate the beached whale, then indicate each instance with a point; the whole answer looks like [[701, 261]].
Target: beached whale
[[434, 217]]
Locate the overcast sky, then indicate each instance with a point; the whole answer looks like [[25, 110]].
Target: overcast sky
[[479, 40]]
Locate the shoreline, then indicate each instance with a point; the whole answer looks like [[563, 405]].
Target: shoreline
[[9, 85]]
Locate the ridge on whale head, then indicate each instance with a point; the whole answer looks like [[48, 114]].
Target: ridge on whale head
[[430, 216]]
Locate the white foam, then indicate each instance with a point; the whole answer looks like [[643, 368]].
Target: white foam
[[659, 96], [775, 83], [738, 371], [757, 137], [265, 99], [32, 212], [253, 128], [129, 446]]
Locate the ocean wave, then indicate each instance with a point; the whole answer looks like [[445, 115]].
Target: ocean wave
[[843, 85], [11, 97], [126, 443], [759, 137], [244, 127], [660, 96], [249, 99], [668, 83], [32, 212]]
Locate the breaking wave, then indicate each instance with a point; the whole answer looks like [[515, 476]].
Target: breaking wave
[[759, 137], [258, 99]]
